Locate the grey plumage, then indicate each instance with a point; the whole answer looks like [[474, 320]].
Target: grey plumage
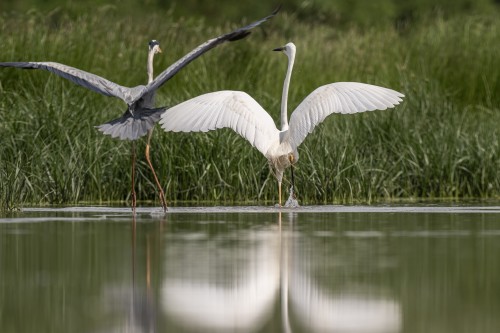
[[131, 127], [140, 115]]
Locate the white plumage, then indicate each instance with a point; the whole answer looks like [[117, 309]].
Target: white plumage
[[239, 111]]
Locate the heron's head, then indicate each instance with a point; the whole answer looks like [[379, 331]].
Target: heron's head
[[154, 46], [288, 49]]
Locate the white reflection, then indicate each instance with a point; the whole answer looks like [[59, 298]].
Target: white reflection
[[220, 288], [316, 309], [320, 312], [210, 286]]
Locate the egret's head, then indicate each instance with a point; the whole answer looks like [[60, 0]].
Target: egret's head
[[288, 49], [154, 46]]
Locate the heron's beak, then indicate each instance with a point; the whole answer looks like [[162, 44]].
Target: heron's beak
[[279, 48], [159, 50], [291, 158]]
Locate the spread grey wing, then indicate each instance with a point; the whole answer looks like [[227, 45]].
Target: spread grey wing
[[82, 78], [198, 51]]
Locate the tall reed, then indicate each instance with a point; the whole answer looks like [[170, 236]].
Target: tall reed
[[442, 142]]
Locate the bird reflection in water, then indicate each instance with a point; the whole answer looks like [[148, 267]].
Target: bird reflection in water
[[142, 316], [214, 285], [132, 306]]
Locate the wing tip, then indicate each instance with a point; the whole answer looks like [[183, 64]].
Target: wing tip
[[276, 10], [245, 31]]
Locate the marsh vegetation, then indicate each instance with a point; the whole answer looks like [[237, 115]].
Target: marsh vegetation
[[442, 142]]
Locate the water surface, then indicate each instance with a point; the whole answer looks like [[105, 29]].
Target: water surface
[[251, 269]]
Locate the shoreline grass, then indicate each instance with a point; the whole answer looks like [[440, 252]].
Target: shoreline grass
[[442, 142]]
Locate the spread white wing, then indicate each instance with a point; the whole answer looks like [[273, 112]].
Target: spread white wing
[[232, 109], [339, 97]]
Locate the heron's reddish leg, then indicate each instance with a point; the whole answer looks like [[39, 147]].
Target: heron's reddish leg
[[133, 197], [161, 193]]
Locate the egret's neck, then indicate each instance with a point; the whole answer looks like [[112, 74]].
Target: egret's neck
[[284, 96], [151, 55]]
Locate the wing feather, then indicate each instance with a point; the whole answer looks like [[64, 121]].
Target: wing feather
[[85, 79], [202, 48], [131, 95], [231, 109], [339, 97]]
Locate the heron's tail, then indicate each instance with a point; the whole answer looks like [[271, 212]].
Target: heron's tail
[[132, 127]]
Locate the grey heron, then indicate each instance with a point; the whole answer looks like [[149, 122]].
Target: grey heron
[[240, 112], [141, 115]]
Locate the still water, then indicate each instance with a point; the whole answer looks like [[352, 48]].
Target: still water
[[249, 269]]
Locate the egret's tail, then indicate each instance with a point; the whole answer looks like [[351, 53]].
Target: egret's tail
[[132, 127]]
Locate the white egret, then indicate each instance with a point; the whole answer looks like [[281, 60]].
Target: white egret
[[239, 111], [140, 116]]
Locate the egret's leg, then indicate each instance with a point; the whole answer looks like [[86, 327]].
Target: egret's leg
[[162, 194], [279, 193], [133, 198], [293, 182]]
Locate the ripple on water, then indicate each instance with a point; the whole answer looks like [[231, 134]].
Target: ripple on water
[[93, 213]]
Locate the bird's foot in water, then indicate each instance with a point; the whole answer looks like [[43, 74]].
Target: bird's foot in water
[[134, 201], [292, 201], [158, 212], [163, 202]]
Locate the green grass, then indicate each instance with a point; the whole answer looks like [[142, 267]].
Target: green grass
[[442, 142]]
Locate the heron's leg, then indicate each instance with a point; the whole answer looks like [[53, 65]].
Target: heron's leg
[[293, 182], [133, 178], [162, 194]]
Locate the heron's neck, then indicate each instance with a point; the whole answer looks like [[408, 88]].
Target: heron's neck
[[151, 55], [284, 96]]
